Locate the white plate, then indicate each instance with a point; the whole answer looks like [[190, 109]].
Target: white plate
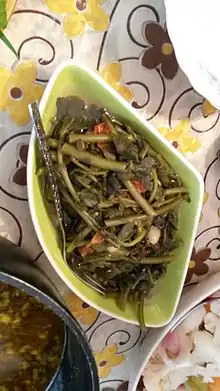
[[194, 29], [190, 298]]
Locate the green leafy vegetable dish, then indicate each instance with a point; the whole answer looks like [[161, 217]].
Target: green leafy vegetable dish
[[120, 202]]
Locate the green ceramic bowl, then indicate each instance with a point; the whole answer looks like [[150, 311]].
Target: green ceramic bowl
[[74, 78]]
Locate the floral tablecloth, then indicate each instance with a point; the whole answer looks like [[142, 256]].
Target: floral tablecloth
[[126, 41]]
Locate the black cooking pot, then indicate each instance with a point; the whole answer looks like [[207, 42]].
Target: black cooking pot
[[77, 371]]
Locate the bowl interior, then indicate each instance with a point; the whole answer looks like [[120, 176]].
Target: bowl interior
[[71, 78], [77, 369]]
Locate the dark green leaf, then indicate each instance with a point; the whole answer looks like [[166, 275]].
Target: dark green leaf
[[4, 39], [3, 15], [70, 106], [127, 150], [88, 198], [113, 184]]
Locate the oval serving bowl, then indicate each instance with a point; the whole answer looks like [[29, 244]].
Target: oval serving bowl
[[73, 78]]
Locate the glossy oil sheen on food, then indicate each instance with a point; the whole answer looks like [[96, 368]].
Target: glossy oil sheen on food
[[120, 201], [31, 342]]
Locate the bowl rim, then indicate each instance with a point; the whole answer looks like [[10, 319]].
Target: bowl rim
[[166, 332], [150, 128], [18, 283], [209, 287], [71, 324]]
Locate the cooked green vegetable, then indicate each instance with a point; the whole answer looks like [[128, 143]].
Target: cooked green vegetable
[[3, 15], [3, 25], [141, 201], [121, 202], [92, 159]]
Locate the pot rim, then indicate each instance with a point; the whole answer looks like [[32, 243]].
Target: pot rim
[[71, 323]]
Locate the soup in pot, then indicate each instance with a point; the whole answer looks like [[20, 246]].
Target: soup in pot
[[31, 341]]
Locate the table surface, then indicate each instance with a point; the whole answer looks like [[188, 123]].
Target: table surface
[[127, 42]]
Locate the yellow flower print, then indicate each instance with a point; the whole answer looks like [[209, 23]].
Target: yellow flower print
[[77, 16], [207, 108], [107, 359], [180, 137], [79, 309], [112, 74], [10, 4], [205, 198], [18, 89]]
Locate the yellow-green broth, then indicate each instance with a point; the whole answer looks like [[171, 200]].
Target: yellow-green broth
[[31, 341]]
